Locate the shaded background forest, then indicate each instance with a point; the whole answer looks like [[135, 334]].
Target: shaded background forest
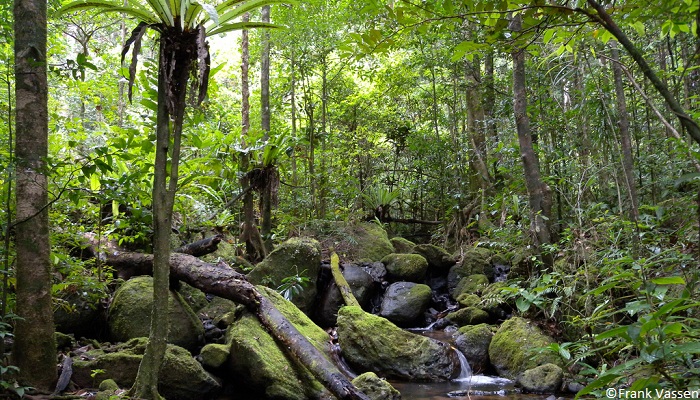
[[404, 107]]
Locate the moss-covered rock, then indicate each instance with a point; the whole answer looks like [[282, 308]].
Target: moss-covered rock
[[402, 245], [473, 341], [262, 367], [513, 348], [375, 387], [372, 242], [130, 315], [476, 260], [472, 284], [468, 316], [438, 258], [220, 309], [214, 355], [405, 267], [363, 288], [296, 256], [194, 297], [546, 378], [405, 302], [469, 300], [373, 343], [107, 389], [182, 377]]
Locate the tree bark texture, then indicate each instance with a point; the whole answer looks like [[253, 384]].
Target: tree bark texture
[[227, 283], [540, 198], [624, 126], [266, 201], [34, 347]]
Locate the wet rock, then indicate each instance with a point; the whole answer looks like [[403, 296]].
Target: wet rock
[[373, 343], [299, 255], [405, 302], [183, 378], [513, 349], [375, 387], [473, 341], [402, 245], [130, 315], [405, 267], [546, 378], [376, 270], [438, 258]]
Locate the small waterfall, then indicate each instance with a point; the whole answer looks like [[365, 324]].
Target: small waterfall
[[465, 373]]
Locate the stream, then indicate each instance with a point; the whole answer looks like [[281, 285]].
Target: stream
[[465, 386]]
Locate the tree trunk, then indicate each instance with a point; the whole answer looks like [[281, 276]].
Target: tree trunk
[[266, 201], [229, 284], [540, 198], [34, 347], [249, 232], [625, 140], [174, 59]]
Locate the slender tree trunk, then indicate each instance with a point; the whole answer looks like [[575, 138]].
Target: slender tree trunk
[[292, 90], [476, 127], [169, 123], [625, 140], [322, 139], [540, 197], [249, 232], [266, 200], [34, 347]]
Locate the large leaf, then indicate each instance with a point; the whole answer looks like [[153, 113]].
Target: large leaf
[[103, 6], [245, 7], [236, 26]]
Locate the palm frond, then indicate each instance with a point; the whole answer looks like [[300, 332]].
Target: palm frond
[[103, 6], [236, 26], [245, 7], [162, 9]]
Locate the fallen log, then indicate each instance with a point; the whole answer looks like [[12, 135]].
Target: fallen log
[[229, 284], [342, 284], [201, 247]]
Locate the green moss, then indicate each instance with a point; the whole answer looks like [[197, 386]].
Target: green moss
[[438, 258], [468, 300], [375, 387], [406, 267], [214, 355], [471, 284], [546, 378], [402, 245], [372, 242], [513, 348], [260, 362], [468, 316]]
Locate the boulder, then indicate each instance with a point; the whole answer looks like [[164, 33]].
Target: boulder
[[83, 315], [297, 256], [546, 378], [196, 299], [182, 377], [372, 343], [372, 242], [130, 315], [473, 341], [405, 302], [262, 367], [402, 245], [438, 258], [476, 260], [472, 284], [376, 270], [214, 355], [405, 267], [468, 300], [468, 316], [375, 387], [513, 349], [363, 288]]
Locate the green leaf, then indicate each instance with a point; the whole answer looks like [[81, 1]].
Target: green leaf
[[620, 331], [688, 348], [237, 26], [669, 280]]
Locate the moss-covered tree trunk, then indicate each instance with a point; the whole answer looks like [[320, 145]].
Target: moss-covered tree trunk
[[34, 347]]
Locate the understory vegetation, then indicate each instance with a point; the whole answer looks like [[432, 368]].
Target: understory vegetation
[[404, 113]]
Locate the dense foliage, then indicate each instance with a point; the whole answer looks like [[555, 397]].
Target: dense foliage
[[408, 106]]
